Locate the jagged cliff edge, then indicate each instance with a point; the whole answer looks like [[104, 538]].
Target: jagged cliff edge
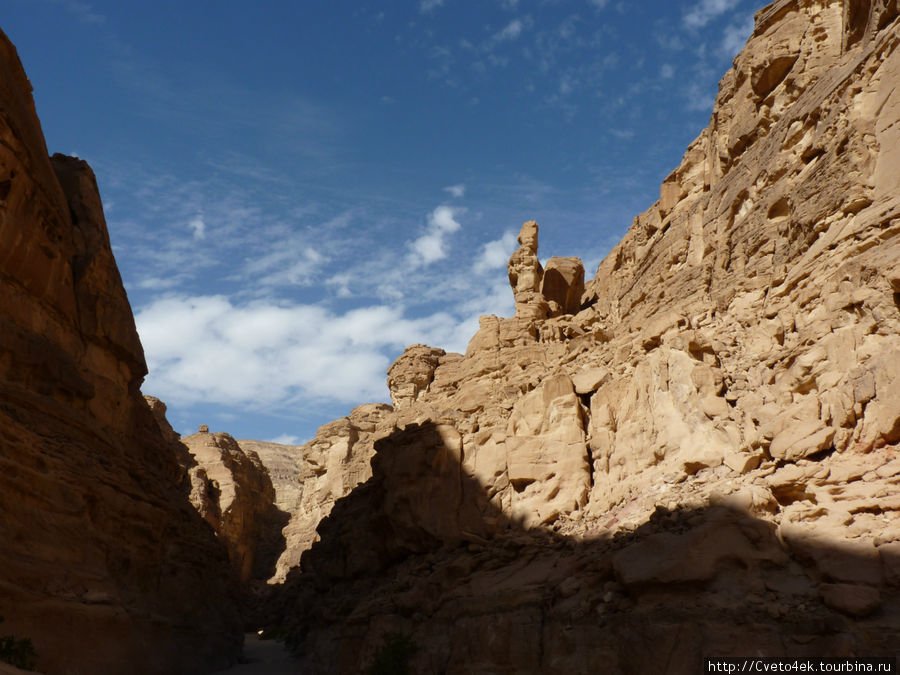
[[104, 564], [698, 457]]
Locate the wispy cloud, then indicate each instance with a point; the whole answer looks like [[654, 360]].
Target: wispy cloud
[[291, 263], [700, 95], [735, 36], [431, 246], [428, 5], [457, 191], [211, 107], [83, 11], [510, 31], [198, 227], [622, 134], [706, 11]]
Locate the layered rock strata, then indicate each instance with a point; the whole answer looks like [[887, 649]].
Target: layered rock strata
[[284, 464], [104, 564], [700, 455]]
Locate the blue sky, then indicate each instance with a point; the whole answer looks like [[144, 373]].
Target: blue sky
[[296, 190]]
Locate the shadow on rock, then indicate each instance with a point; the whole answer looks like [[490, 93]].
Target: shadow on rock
[[420, 550]]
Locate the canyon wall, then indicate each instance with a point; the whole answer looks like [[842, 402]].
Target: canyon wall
[[104, 564], [700, 457], [694, 453]]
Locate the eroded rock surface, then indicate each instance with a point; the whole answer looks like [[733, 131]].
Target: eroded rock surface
[[526, 274], [284, 464], [104, 564], [699, 455], [333, 463], [232, 490]]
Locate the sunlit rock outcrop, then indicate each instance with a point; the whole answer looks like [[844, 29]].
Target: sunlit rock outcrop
[[696, 455]]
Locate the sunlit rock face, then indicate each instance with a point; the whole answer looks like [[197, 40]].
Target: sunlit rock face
[[104, 564], [699, 454], [233, 492]]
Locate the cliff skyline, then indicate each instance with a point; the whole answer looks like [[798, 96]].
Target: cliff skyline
[[296, 195]]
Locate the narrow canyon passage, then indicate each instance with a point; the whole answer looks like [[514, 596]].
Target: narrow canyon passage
[[264, 657]]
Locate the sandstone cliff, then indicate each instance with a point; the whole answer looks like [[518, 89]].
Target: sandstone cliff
[[699, 456], [104, 564], [233, 492]]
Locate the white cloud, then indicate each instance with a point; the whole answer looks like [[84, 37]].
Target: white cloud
[[667, 72], [458, 190], [431, 246], [285, 439], [427, 5], [706, 11], [511, 31], [735, 37], [342, 283], [495, 254], [199, 227], [599, 4], [259, 355]]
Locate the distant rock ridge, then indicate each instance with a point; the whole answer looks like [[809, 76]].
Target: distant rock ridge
[[104, 564], [712, 422], [233, 492]]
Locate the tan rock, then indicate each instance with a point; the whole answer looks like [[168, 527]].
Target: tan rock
[[850, 561], [410, 375], [232, 490], [285, 467], [104, 564], [331, 465], [526, 274], [563, 284], [546, 453], [742, 462], [589, 380], [698, 555], [890, 559], [851, 599], [158, 408], [738, 349]]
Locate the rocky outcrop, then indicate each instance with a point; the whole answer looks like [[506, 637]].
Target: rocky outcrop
[[714, 423], [411, 374], [540, 293], [104, 564], [335, 462], [232, 490], [563, 285], [284, 464], [526, 274]]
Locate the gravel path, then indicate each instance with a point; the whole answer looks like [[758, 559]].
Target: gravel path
[[264, 657]]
